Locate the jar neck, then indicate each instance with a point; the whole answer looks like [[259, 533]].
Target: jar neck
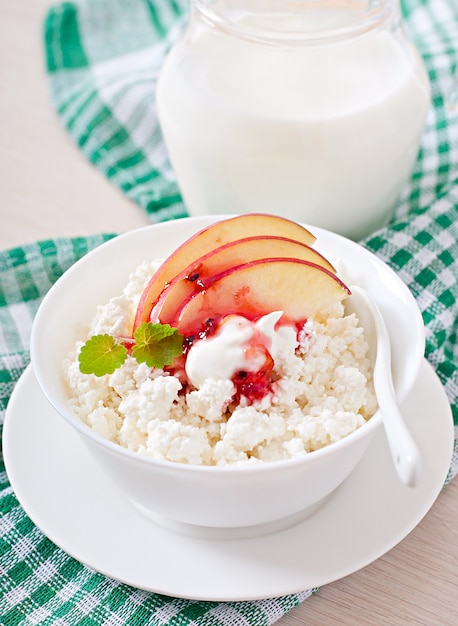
[[298, 21]]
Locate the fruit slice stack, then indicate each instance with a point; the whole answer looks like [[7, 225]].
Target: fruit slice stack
[[248, 265]]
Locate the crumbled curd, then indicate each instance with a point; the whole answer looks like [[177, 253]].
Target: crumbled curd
[[322, 391]]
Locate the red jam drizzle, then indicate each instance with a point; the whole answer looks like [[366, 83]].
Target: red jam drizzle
[[254, 385]]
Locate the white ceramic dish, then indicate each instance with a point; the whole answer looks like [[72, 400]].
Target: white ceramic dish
[[268, 494], [67, 496]]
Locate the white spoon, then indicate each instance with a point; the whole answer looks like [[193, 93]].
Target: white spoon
[[403, 449]]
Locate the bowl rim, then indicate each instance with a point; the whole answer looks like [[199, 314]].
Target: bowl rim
[[253, 467]]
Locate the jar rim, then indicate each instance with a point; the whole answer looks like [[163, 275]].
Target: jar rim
[[298, 21]]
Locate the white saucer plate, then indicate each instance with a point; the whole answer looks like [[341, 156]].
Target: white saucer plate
[[63, 491]]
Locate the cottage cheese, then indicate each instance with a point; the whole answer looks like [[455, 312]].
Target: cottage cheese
[[323, 392]]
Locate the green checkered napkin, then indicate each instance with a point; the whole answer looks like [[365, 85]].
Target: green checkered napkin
[[103, 57]]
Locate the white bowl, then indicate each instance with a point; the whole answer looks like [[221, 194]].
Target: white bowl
[[259, 496]]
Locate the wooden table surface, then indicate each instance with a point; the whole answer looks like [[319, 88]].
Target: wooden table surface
[[48, 189]]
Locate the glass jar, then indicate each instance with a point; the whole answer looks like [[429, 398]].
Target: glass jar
[[310, 109]]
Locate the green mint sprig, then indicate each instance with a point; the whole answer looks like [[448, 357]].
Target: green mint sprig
[[101, 354], [157, 345]]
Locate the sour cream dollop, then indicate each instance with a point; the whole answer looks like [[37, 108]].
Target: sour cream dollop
[[230, 349]]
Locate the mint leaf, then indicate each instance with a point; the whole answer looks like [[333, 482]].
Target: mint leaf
[[101, 355], [157, 345]]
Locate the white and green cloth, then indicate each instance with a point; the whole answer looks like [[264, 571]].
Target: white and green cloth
[[103, 57]]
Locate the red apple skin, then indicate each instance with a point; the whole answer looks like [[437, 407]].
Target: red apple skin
[[300, 289], [215, 235], [201, 273]]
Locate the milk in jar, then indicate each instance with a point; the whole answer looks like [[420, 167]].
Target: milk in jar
[[313, 111]]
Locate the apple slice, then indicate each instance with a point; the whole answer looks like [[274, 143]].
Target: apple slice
[[300, 289], [217, 234], [201, 273]]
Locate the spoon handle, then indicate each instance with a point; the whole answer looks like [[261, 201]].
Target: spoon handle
[[403, 448]]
